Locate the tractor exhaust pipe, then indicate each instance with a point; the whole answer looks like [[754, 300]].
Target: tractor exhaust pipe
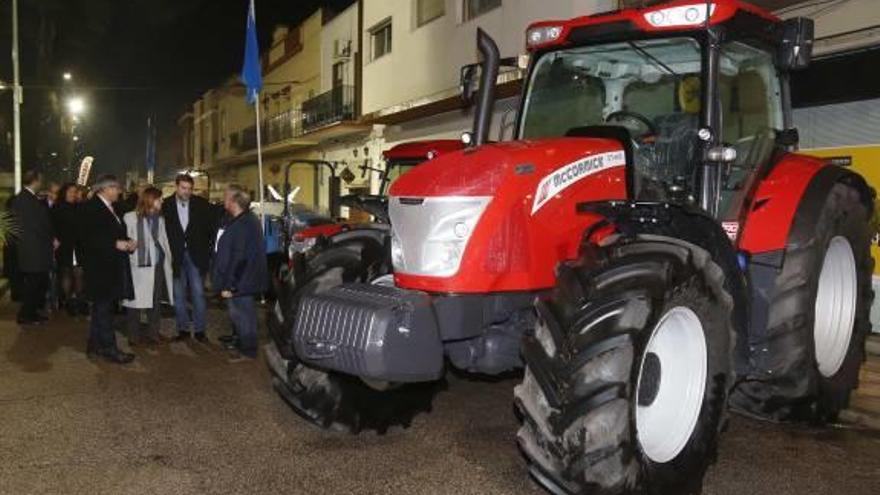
[[486, 95]]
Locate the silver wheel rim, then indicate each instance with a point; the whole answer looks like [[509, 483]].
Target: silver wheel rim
[[671, 385], [836, 300]]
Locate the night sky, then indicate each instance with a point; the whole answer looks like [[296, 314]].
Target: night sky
[[131, 59]]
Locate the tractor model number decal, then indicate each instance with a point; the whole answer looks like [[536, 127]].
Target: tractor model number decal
[[570, 174]]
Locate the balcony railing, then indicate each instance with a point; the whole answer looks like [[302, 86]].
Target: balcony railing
[[281, 126], [327, 108]]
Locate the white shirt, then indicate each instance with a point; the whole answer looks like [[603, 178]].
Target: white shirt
[[182, 212]]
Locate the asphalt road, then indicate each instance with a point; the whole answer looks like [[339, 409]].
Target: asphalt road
[[182, 420]]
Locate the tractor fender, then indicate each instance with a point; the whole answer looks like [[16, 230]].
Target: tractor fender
[[766, 240], [684, 224], [796, 186]]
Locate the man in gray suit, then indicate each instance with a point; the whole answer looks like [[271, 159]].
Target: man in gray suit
[[35, 246]]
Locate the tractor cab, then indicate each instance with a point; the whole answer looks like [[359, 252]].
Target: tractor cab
[[697, 90]]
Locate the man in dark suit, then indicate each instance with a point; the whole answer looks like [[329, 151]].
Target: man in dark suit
[[240, 272], [191, 224], [107, 270], [35, 248]]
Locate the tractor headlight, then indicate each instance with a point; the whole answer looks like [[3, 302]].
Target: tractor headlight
[[429, 235], [300, 244], [686, 15], [542, 35]]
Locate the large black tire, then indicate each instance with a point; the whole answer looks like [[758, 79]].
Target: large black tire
[[330, 399], [785, 382], [581, 391]]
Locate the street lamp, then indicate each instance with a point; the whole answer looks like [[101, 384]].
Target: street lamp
[[75, 138], [76, 106], [67, 76]]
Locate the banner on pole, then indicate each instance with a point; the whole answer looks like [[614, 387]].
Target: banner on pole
[[85, 167]]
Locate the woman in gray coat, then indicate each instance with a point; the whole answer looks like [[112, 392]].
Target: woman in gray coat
[[150, 266]]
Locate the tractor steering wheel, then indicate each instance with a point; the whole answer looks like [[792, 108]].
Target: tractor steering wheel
[[623, 115]]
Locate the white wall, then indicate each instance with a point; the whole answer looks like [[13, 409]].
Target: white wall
[[424, 61], [342, 28]]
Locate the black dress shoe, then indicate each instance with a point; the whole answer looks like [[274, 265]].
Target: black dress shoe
[[227, 338], [116, 356], [28, 322], [201, 338], [182, 336]]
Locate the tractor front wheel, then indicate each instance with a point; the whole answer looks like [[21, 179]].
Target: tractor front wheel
[[628, 371]]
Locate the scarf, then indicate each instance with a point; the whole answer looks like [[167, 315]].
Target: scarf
[[143, 251]]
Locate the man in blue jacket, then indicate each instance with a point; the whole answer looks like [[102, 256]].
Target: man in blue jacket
[[240, 271]]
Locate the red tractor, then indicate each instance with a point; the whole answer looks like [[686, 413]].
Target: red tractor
[[650, 249]]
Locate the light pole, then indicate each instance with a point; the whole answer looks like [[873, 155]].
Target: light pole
[[16, 97]]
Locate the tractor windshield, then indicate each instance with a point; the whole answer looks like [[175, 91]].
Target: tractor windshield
[[653, 89], [650, 87]]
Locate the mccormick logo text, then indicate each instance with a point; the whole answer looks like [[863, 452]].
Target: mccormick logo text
[[570, 174]]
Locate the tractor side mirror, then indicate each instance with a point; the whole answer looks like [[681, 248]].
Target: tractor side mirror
[[796, 46], [468, 83]]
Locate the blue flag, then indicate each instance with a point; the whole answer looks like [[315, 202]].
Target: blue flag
[[251, 71]]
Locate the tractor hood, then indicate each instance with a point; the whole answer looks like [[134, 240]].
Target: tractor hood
[[500, 216], [482, 171]]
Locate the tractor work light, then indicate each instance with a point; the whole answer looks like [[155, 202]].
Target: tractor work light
[[685, 15], [543, 35]]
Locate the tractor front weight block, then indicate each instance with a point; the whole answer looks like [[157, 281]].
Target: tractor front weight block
[[370, 331]]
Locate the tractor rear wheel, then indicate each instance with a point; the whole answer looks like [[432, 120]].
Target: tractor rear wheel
[[628, 371], [818, 317], [330, 399]]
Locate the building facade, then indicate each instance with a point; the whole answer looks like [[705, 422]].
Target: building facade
[[308, 99]]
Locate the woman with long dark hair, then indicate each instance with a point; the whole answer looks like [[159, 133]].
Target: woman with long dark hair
[[150, 266], [65, 222]]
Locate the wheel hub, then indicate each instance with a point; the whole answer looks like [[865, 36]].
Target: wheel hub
[[649, 386]]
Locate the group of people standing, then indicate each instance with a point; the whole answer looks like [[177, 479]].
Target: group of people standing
[[159, 252]]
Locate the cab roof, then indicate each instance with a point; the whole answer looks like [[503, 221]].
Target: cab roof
[[672, 16]]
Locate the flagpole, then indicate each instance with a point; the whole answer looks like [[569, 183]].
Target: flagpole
[[252, 78], [260, 164]]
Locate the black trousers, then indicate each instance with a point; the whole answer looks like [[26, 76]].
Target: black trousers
[[33, 295], [102, 337]]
